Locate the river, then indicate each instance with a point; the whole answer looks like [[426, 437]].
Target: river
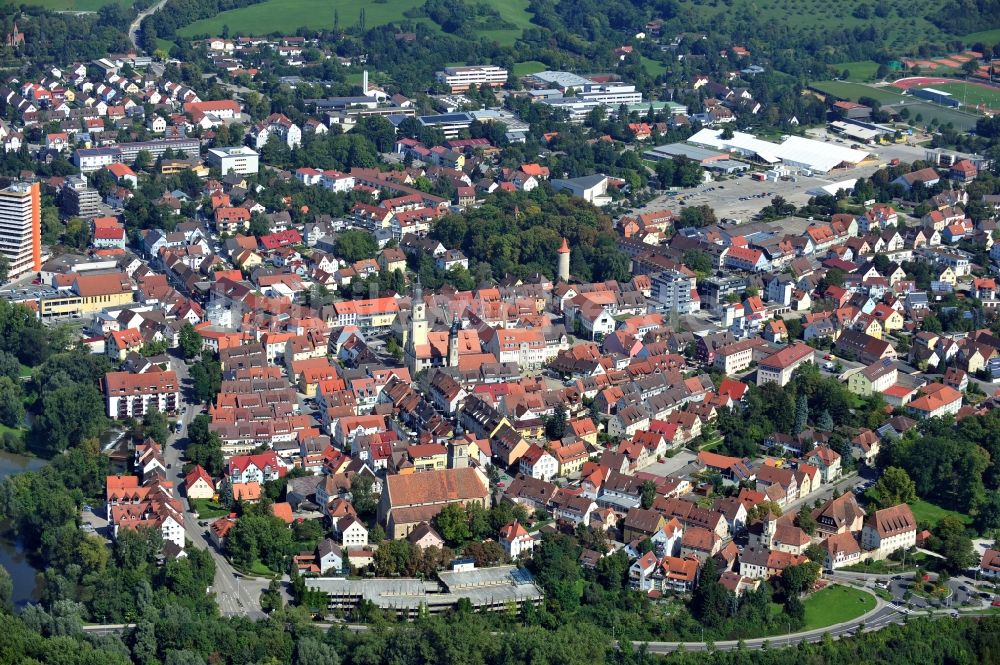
[[11, 554]]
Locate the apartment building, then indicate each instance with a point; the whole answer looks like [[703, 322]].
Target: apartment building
[[779, 367], [132, 395], [20, 228]]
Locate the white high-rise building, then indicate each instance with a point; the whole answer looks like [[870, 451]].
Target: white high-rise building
[[20, 228]]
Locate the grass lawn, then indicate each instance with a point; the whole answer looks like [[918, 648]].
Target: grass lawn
[[284, 16], [206, 508], [528, 67], [165, 44], [852, 91], [25, 371], [259, 568], [652, 67], [863, 70], [928, 513], [17, 432], [970, 94], [514, 12], [988, 37], [836, 604]]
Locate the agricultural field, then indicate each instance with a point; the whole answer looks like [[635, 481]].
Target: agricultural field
[[905, 23], [284, 16]]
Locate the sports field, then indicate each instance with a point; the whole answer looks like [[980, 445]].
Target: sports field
[[970, 94], [284, 16], [888, 95], [852, 91]]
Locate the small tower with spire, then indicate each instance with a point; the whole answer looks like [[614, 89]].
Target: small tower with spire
[[563, 273], [418, 327], [453, 344]]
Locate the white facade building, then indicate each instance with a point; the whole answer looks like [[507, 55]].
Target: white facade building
[[240, 160]]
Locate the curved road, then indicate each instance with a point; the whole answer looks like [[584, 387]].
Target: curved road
[[133, 28], [884, 614]]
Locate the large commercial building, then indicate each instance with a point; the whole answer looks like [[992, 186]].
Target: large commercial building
[[461, 78], [240, 160], [493, 589], [89, 293], [20, 228], [795, 151]]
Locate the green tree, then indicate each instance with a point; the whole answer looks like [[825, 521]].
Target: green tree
[[69, 414], [206, 453], [825, 422], [710, 600], [270, 598], [354, 245], [206, 379], [11, 402], [951, 540], [988, 513], [805, 521], [143, 160], [190, 341], [647, 492], [156, 427], [6, 591], [363, 498], [453, 524], [4, 269], [555, 425], [798, 579], [801, 414], [698, 261], [259, 225], [893, 488]]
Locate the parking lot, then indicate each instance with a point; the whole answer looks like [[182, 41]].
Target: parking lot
[[741, 197], [671, 465]]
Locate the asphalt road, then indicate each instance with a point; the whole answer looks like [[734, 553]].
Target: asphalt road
[[133, 28], [884, 614], [236, 594]]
